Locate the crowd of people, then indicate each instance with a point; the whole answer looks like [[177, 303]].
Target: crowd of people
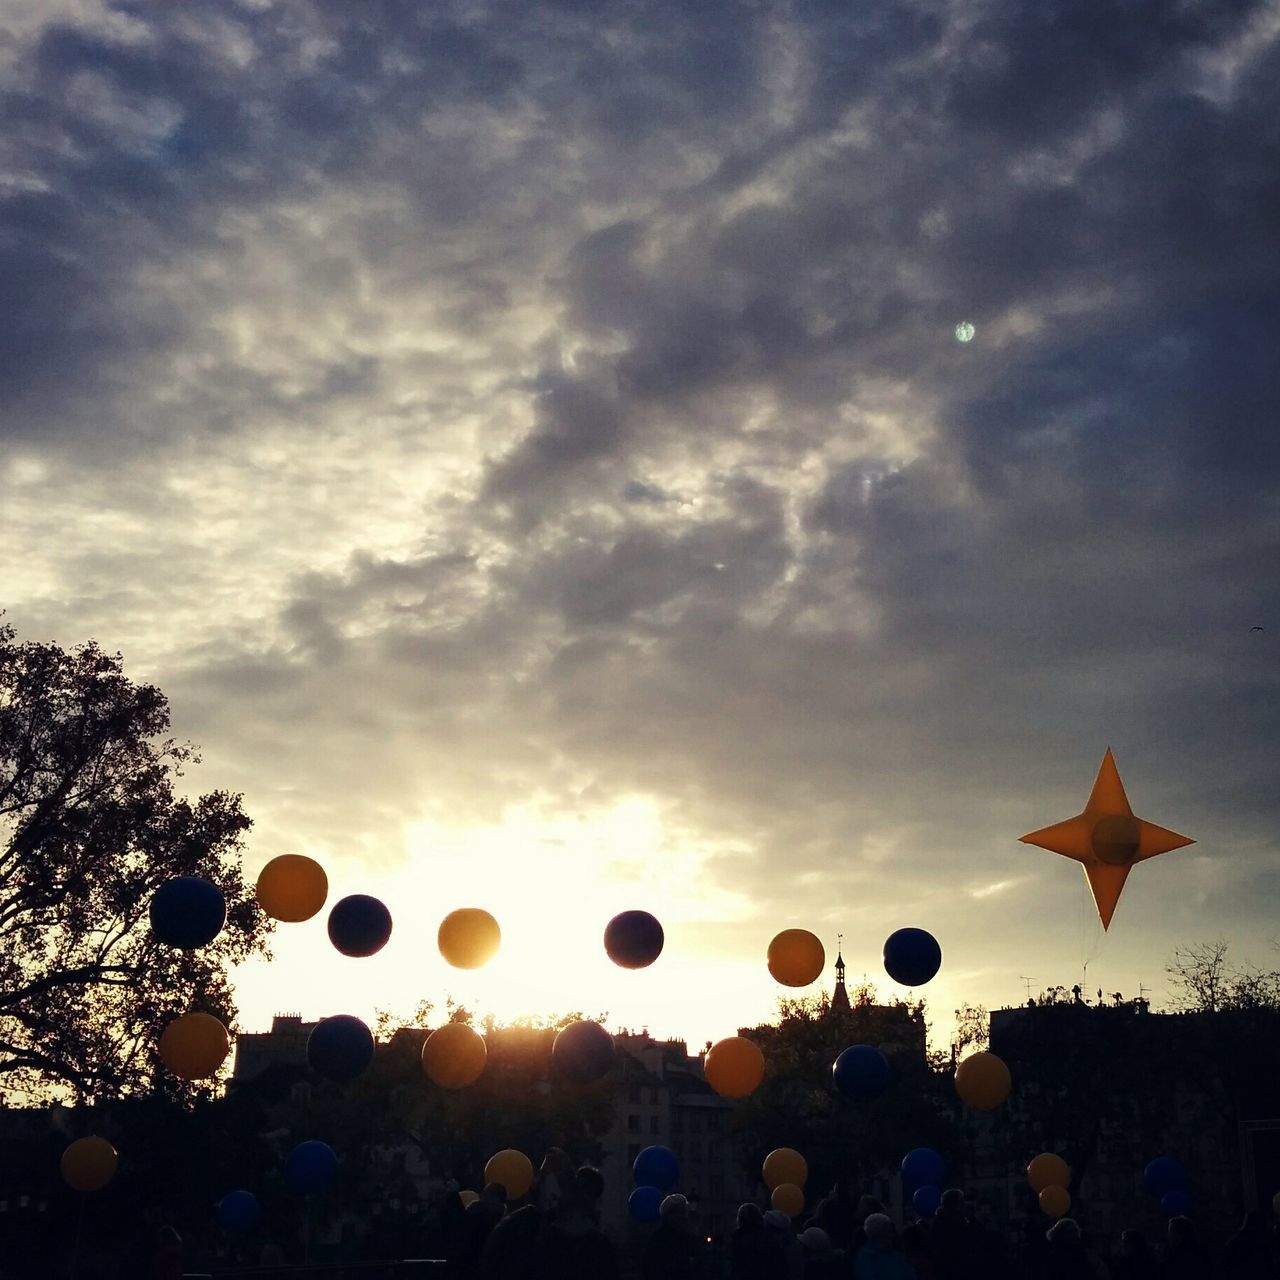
[[555, 1235]]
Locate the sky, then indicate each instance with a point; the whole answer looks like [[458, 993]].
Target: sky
[[745, 462]]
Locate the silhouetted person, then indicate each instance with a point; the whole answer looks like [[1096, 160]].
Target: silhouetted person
[[779, 1227], [1136, 1259], [879, 1259], [754, 1252], [821, 1261], [952, 1238], [671, 1252], [1250, 1253], [449, 1237], [917, 1251], [1184, 1258], [1065, 1257], [481, 1217], [571, 1245], [836, 1214]]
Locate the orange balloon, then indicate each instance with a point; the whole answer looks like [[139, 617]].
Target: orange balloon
[[1055, 1201], [1048, 1170], [454, 1055], [194, 1046], [292, 888], [782, 1166], [734, 1067], [88, 1164], [983, 1081], [468, 938], [512, 1170], [468, 1197], [796, 958], [789, 1198]]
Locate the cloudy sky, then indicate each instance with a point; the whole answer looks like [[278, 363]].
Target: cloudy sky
[[534, 447]]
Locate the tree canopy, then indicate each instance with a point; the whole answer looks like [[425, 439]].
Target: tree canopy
[[91, 824]]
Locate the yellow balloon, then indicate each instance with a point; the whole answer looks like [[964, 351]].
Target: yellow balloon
[[789, 1198], [983, 1081], [454, 1055], [782, 1166], [734, 1067], [468, 1197], [512, 1170], [292, 888], [88, 1164], [194, 1046], [1048, 1170], [1055, 1201], [796, 958], [468, 938]]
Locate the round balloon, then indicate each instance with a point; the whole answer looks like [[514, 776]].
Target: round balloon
[[1048, 1170], [239, 1210], [1055, 1201], [784, 1164], [983, 1081], [644, 1203], [1164, 1174], [88, 1164], [923, 1167], [861, 1072], [912, 956], [583, 1051], [796, 958], [656, 1167], [359, 925], [187, 912], [633, 939], [340, 1048], [734, 1067], [194, 1046], [310, 1168], [454, 1055], [925, 1200], [468, 1197], [512, 1170], [1175, 1203], [468, 938], [788, 1198], [292, 888]]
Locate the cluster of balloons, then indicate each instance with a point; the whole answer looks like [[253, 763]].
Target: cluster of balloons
[[785, 1172], [656, 1171], [1167, 1180], [1050, 1176], [922, 1172]]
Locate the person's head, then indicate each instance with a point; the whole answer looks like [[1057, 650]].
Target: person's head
[[1181, 1232], [1065, 1231], [815, 1240], [868, 1205], [494, 1194], [1133, 1244], [588, 1183], [749, 1216], [880, 1230], [778, 1221], [952, 1203], [674, 1210]]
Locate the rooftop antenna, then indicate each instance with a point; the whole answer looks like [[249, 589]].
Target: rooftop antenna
[[1023, 978]]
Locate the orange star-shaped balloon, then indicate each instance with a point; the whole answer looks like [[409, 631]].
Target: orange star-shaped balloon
[[1107, 839]]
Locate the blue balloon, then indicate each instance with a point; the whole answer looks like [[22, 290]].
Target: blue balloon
[[861, 1072], [1175, 1203], [633, 939], [643, 1204], [310, 1167], [239, 1210], [583, 1051], [657, 1167], [340, 1048], [926, 1200], [1163, 1174], [923, 1167], [187, 912], [359, 925], [912, 956]]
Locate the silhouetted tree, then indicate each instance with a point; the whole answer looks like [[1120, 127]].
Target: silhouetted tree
[[90, 826]]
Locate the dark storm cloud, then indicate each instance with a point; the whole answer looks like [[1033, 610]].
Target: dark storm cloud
[[741, 523]]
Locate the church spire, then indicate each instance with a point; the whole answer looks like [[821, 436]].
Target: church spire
[[840, 997]]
